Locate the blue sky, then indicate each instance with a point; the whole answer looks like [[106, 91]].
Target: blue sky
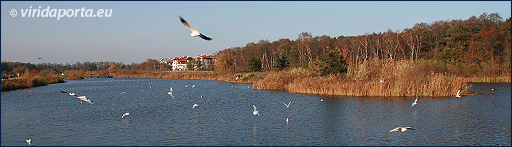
[[137, 31]]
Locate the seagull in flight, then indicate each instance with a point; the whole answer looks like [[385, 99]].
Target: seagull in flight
[[83, 98], [194, 33], [415, 102], [255, 112], [286, 120], [401, 129], [458, 94], [29, 141], [170, 93], [287, 106], [195, 105], [125, 114]]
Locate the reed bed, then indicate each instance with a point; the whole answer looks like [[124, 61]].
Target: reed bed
[[400, 79], [30, 81], [243, 78]]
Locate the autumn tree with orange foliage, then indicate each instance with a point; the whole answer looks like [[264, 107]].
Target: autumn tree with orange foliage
[[112, 68]]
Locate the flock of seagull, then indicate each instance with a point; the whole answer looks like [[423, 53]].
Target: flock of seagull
[[403, 129], [196, 33], [255, 112]]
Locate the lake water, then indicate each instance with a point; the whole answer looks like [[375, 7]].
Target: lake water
[[224, 116]]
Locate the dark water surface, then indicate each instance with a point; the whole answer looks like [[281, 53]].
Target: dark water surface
[[224, 116]]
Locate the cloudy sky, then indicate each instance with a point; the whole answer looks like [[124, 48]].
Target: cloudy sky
[[131, 32]]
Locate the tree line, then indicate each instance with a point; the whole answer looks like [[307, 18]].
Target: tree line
[[476, 46]]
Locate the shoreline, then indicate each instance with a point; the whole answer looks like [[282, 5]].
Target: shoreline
[[30, 81], [303, 84]]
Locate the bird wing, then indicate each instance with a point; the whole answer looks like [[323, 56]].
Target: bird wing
[[416, 100], [254, 107], [186, 24], [395, 129], [64, 92], [204, 37], [83, 98]]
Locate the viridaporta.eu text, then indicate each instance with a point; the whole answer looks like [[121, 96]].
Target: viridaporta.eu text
[[60, 13]]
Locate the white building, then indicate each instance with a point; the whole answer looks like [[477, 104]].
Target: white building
[[206, 60], [180, 63]]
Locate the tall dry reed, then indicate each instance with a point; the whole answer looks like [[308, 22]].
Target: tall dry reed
[[197, 75], [400, 78], [30, 81]]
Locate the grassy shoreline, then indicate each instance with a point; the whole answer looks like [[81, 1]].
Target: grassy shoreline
[[400, 79], [382, 78], [30, 81]]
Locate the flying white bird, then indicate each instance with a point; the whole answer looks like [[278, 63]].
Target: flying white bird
[[255, 112], [321, 100], [195, 105], [401, 129], [287, 106], [193, 86], [286, 120], [83, 98], [194, 33], [29, 141], [458, 94], [170, 93], [125, 114], [415, 102]]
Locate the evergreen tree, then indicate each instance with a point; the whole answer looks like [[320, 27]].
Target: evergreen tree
[[332, 63], [254, 65], [282, 61]]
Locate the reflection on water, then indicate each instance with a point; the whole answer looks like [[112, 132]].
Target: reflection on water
[[224, 116], [255, 134]]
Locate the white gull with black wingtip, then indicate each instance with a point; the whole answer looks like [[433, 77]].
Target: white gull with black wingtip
[[194, 33], [83, 98]]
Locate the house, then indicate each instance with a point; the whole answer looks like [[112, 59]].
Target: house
[[180, 63], [207, 61]]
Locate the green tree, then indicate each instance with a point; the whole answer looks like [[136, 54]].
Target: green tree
[[282, 61], [195, 65], [332, 63], [254, 65]]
